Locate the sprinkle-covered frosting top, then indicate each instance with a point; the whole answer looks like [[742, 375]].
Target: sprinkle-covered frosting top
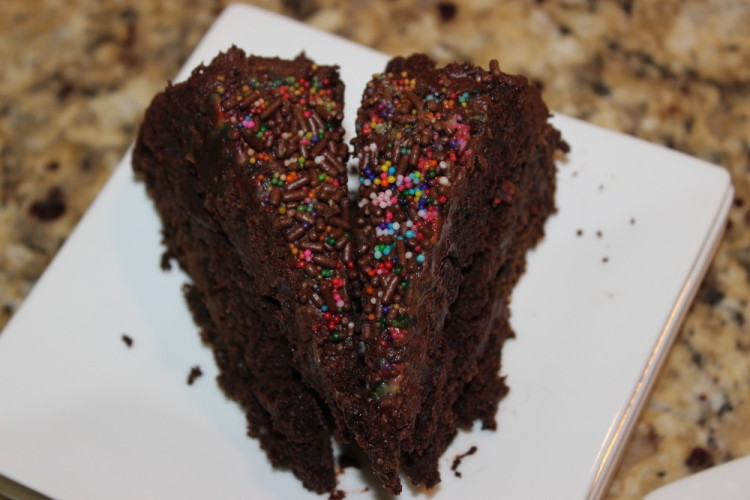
[[287, 131], [412, 143]]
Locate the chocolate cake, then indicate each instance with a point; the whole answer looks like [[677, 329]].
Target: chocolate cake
[[246, 164], [456, 180], [378, 321]]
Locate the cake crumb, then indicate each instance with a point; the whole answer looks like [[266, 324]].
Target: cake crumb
[[195, 372], [459, 458], [51, 207], [632, 221], [579, 232], [337, 495], [127, 340], [605, 259]]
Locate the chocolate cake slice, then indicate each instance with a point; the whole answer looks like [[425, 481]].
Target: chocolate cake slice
[[379, 323], [246, 164], [456, 180]]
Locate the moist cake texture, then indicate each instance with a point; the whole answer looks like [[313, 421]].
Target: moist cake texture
[[377, 320]]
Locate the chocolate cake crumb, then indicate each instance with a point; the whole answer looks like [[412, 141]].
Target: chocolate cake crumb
[[337, 495], [51, 207], [459, 458], [699, 459], [127, 340], [605, 259], [661, 473], [599, 234], [632, 221], [166, 261], [579, 232], [195, 372]]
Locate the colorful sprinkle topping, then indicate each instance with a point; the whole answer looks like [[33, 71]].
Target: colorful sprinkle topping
[[288, 132], [412, 143]]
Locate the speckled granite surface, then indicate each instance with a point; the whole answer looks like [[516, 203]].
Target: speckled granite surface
[[75, 77]]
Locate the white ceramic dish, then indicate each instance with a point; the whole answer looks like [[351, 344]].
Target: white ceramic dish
[[85, 417]]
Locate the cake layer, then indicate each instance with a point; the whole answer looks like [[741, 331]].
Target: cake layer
[[246, 165], [456, 180]]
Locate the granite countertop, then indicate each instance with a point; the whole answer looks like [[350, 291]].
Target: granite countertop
[[76, 76]]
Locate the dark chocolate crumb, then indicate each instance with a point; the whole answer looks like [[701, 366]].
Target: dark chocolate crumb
[[565, 30], [579, 232], [337, 495], [459, 458], [661, 473], [699, 459], [128, 341], [447, 10], [195, 372], [53, 165], [599, 234], [50, 208], [632, 221], [166, 261], [605, 259]]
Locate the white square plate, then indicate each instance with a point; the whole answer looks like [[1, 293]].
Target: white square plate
[[84, 417]]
